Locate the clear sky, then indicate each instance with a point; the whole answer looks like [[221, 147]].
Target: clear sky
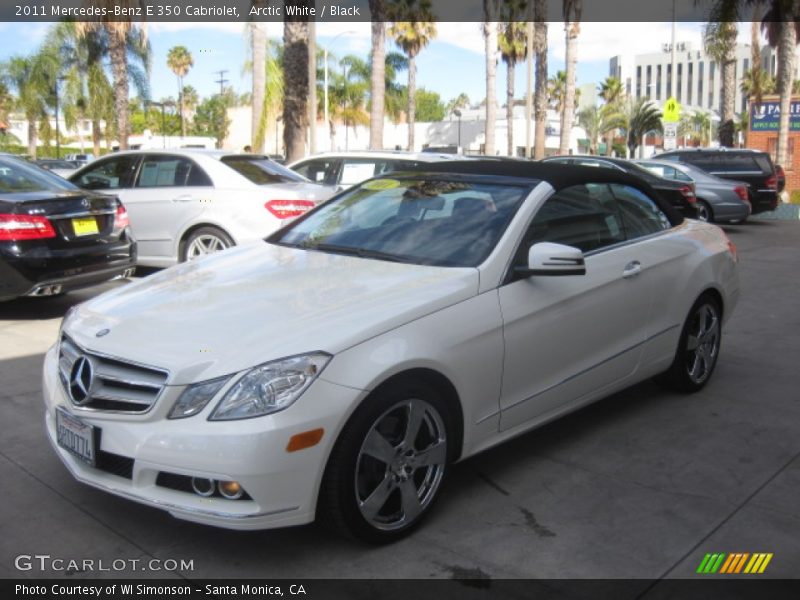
[[451, 64]]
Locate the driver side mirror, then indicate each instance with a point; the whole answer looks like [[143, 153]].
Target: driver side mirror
[[547, 258]]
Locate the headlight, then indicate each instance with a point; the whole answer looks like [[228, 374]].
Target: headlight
[[195, 397], [270, 387]]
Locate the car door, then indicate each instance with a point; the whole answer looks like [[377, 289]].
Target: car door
[[169, 191], [114, 174], [568, 338]]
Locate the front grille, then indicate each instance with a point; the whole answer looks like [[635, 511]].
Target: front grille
[[115, 385]]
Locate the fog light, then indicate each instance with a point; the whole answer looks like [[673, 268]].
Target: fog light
[[203, 487], [230, 490]]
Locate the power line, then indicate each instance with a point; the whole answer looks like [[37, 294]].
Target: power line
[[221, 81]]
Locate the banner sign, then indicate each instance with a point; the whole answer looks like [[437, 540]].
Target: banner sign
[[766, 115]]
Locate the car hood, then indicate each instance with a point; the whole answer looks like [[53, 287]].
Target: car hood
[[251, 304]]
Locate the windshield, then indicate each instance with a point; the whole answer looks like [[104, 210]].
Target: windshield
[[19, 176], [261, 170], [422, 221]]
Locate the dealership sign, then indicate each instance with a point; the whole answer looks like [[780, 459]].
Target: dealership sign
[[766, 115]]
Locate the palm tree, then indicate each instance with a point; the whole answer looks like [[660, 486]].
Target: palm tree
[[258, 49], [556, 89], [756, 83], [33, 78], [395, 96], [412, 30], [719, 39], [460, 102], [782, 27], [120, 35], [590, 119], [540, 87], [491, 9], [640, 118], [348, 94], [377, 10], [612, 92], [701, 126], [513, 45], [179, 61], [572, 10], [295, 97]]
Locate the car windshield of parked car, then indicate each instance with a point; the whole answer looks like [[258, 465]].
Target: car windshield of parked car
[[17, 176], [430, 221], [261, 170]]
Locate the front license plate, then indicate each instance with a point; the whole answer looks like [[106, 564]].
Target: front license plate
[[75, 436], [85, 226]]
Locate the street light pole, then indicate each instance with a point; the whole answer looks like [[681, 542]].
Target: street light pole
[[457, 113]]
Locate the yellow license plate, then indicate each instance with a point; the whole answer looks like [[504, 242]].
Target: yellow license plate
[[87, 226]]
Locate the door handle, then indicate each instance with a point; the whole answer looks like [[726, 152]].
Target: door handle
[[183, 198], [632, 269]]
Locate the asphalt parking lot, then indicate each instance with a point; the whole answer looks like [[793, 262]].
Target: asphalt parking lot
[[640, 485]]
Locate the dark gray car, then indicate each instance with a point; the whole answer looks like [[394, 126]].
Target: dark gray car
[[717, 199]]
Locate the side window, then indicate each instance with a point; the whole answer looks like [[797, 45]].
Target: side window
[[583, 216], [640, 215], [703, 160], [170, 171], [318, 171], [356, 171], [110, 174]]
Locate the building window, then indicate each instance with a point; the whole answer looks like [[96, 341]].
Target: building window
[[649, 81], [700, 66], [772, 148], [689, 82], [679, 83], [658, 82], [639, 81]]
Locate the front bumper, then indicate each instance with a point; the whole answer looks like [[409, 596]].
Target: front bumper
[[282, 486]]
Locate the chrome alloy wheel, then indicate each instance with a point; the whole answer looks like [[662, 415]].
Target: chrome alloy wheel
[[400, 464], [702, 343], [205, 244], [703, 212]]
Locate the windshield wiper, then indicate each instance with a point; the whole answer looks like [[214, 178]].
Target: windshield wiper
[[360, 252]]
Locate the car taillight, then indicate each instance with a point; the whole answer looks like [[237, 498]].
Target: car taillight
[[741, 191], [121, 220], [772, 182], [688, 193], [15, 228], [288, 209]]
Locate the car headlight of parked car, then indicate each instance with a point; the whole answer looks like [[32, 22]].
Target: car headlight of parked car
[[195, 397], [263, 390]]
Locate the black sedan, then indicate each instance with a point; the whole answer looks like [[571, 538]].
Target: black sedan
[[55, 237], [679, 194]]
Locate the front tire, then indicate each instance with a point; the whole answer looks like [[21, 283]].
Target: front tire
[[387, 467], [203, 241], [698, 348]]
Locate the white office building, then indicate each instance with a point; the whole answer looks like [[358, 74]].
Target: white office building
[[697, 81]]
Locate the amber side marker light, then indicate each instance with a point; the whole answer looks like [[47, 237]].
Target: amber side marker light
[[307, 439]]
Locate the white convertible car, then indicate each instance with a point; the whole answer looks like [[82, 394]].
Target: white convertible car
[[337, 368]]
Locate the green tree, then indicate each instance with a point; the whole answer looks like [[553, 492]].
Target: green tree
[[640, 118], [719, 39], [612, 92], [513, 45], [120, 35], [460, 102], [179, 61], [412, 30], [211, 118], [429, 106]]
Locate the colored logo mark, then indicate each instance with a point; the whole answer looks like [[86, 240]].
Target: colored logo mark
[[737, 562]]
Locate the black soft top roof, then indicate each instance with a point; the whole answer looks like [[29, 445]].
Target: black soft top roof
[[557, 175]]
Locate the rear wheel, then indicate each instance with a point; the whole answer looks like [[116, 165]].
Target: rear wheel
[[698, 347], [387, 467], [704, 212], [205, 240]]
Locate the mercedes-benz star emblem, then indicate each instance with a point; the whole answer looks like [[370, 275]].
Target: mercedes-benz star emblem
[[80, 380]]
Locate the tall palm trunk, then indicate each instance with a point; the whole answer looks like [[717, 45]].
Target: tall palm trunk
[[568, 108], [490, 37], [295, 102], [412, 99], [119, 68], [378, 79], [312, 86], [96, 137], [540, 93], [259, 41], [32, 137], [529, 88], [786, 48], [510, 108]]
